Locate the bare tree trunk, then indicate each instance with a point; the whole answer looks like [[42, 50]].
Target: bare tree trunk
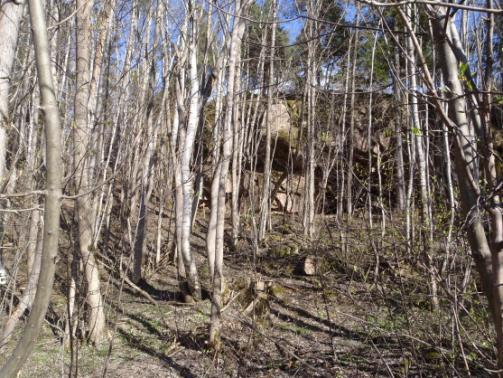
[[369, 135], [188, 138], [266, 189], [34, 252], [32, 234], [11, 14], [487, 254], [412, 160], [97, 137], [52, 198], [220, 177], [84, 207], [400, 171], [177, 178], [10, 18], [237, 153], [450, 188], [489, 162], [150, 137], [309, 203], [211, 235], [418, 137], [342, 137], [349, 172]]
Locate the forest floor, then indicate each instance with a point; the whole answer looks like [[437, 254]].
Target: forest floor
[[344, 321]]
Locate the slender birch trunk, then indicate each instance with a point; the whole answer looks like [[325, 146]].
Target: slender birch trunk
[[486, 247], [82, 137], [309, 203], [11, 14], [237, 153], [342, 135], [52, 198], [400, 171], [266, 188], [418, 136], [349, 172], [220, 177], [34, 252], [147, 164], [188, 138]]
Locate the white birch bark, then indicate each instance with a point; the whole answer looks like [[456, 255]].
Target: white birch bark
[[82, 137], [418, 136], [188, 137], [266, 189], [11, 14], [221, 175], [349, 172], [53, 194]]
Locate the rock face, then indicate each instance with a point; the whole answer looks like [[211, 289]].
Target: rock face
[[288, 195], [288, 135], [285, 127], [284, 138], [289, 202], [280, 120]]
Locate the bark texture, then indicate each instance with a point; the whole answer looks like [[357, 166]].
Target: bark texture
[[82, 137], [52, 198]]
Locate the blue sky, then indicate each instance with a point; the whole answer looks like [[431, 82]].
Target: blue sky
[[295, 27]]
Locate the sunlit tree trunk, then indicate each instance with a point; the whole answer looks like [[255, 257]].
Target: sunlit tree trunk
[[149, 136], [342, 135], [266, 188], [486, 246], [400, 171], [349, 172], [188, 136], [219, 180], [52, 198], [211, 235], [310, 166], [34, 252], [83, 183], [418, 136], [237, 153], [10, 18]]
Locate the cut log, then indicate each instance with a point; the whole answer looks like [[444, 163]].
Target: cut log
[[259, 286], [307, 266]]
